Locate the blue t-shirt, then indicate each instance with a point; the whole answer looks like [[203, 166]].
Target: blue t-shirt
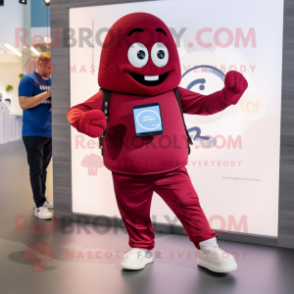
[[37, 121]]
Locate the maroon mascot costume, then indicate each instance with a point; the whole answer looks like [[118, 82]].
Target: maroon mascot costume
[[139, 65]]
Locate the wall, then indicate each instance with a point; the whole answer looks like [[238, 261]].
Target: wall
[[40, 14], [40, 18], [14, 15], [9, 76]]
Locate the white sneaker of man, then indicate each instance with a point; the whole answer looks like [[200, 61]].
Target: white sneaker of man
[[42, 212], [136, 259], [48, 203], [214, 258]]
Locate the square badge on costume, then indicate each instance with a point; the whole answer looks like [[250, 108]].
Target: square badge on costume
[[147, 119]]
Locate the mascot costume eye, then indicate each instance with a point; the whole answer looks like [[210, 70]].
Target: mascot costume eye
[[137, 113]]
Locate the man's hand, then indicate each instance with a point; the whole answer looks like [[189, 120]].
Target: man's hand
[[235, 86], [92, 123], [49, 92]]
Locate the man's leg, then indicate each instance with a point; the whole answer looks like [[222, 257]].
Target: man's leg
[[133, 196], [35, 156], [176, 189], [47, 158]]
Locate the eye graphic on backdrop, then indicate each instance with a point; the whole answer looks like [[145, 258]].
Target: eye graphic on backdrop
[[138, 55], [203, 77]]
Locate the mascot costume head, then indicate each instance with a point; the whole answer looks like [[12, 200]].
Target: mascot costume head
[[139, 56]]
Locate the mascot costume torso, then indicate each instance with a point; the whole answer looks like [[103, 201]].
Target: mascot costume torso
[[140, 65]]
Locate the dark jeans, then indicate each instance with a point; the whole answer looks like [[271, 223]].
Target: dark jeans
[[39, 152]]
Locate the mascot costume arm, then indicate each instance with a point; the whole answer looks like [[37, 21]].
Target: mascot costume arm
[[194, 103]]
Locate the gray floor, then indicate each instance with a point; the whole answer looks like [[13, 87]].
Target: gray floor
[[261, 269]]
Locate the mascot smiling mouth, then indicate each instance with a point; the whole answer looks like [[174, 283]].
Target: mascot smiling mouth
[[149, 80]]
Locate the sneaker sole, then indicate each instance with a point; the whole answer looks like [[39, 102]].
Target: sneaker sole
[[36, 214], [134, 266], [216, 269]]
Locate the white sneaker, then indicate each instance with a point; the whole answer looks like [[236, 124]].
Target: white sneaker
[[136, 259], [42, 212], [48, 203], [214, 258]]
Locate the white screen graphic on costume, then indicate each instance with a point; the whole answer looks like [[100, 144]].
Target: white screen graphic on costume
[[147, 119]]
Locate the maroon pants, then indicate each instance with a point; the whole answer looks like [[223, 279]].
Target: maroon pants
[[134, 195]]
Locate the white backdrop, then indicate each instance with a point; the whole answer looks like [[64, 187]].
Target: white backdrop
[[236, 180]]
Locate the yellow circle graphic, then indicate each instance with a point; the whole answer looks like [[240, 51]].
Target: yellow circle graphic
[[252, 106]]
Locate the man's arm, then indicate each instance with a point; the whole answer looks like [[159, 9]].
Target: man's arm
[[30, 102], [195, 103]]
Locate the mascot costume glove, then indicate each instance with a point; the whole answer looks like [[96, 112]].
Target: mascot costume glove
[[235, 86], [91, 123]]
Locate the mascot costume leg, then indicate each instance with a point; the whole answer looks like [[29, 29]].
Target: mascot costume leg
[[140, 69]]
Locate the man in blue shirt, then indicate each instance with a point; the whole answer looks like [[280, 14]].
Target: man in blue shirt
[[35, 99]]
